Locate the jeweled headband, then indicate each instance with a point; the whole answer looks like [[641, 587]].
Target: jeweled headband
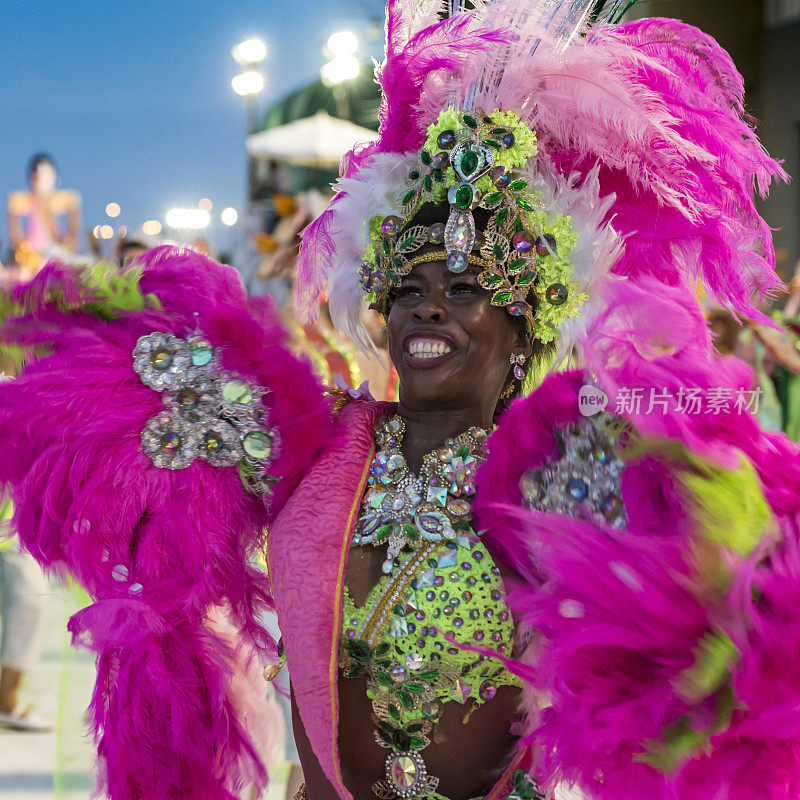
[[469, 161]]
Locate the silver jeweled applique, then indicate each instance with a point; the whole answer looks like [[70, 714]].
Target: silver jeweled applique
[[586, 480], [407, 510], [209, 413]]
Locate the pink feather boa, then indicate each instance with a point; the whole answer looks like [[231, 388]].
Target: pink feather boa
[[89, 502], [619, 616]]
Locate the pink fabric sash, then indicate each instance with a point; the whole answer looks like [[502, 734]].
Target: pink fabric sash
[[307, 553]]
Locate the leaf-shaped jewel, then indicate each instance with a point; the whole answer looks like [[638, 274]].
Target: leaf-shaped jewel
[[526, 278], [500, 217], [496, 245], [517, 264], [469, 121], [382, 648], [408, 197], [416, 742], [490, 280], [405, 698], [412, 239], [501, 298], [492, 199], [515, 186]]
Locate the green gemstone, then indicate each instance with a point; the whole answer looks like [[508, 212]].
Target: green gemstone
[[405, 698], [402, 741], [413, 175], [517, 265], [383, 663], [498, 131], [428, 675], [359, 649], [469, 162], [502, 297], [470, 121], [526, 278], [463, 452], [497, 250], [399, 610], [464, 196], [416, 743], [387, 246], [383, 678], [356, 671], [494, 197], [525, 205], [500, 217], [398, 262], [492, 143], [425, 157], [382, 533], [517, 225], [382, 648], [427, 182], [438, 175], [387, 737], [433, 563], [408, 197], [415, 688], [392, 276], [517, 185], [237, 393], [202, 353], [257, 444], [492, 278], [411, 532], [394, 712]]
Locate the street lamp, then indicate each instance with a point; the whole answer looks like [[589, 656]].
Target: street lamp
[[250, 51], [249, 82], [342, 66]]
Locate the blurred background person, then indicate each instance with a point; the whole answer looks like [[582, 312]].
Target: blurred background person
[[44, 221]]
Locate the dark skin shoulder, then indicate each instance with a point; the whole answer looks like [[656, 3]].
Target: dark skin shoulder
[[451, 349]]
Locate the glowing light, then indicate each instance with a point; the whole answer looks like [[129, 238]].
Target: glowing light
[[122, 231], [250, 51], [113, 209], [249, 83], [342, 43], [205, 204], [96, 231], [340, 69], [152, 227], [106, 232], [229, 216], [188, 218]]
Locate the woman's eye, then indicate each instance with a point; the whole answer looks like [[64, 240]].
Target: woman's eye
[[464, 288], [409, 291]]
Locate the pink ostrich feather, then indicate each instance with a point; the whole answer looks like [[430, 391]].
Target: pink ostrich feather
[[156, 549], [610, 670]]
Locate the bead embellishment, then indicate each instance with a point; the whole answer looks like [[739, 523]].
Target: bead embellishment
[[210, 413], [586, 481]]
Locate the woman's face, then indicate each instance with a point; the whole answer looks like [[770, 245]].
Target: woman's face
[[447, 342]]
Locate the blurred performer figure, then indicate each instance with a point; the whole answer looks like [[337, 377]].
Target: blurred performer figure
[[45, 221]]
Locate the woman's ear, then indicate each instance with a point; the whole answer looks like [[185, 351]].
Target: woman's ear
[[523, 344]]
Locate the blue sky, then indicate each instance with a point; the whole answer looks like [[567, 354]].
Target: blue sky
[[133, 99]]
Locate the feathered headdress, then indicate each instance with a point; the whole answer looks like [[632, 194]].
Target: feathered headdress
[[595, 149]]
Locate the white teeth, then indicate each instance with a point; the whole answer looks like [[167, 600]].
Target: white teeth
[[428, 348]]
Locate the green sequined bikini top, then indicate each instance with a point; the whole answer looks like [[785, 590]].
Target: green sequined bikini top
[[445, 589]]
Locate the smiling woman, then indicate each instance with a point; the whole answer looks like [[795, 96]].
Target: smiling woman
[[475, 601]]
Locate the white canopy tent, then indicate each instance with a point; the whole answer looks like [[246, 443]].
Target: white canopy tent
[[318, 141]]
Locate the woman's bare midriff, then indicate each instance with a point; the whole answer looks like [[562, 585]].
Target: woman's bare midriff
[[467, 759]]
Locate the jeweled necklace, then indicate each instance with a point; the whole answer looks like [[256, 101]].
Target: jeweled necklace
[[408, 510]]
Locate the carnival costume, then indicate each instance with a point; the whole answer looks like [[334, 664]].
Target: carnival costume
[[592, 175]]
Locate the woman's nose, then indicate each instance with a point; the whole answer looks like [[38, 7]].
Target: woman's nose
[[431, 308]]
